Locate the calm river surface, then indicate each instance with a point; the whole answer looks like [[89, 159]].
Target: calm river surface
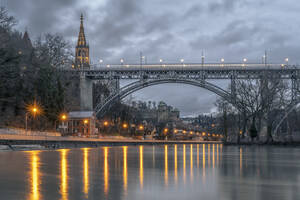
[[203, 171]]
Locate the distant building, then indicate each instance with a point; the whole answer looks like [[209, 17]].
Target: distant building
[[156, 114], [80, 123], [167, 113]]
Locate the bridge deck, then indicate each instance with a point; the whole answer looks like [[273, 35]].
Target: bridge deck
[[190, 71]]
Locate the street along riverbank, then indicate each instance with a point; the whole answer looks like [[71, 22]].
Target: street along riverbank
[[23, 142]]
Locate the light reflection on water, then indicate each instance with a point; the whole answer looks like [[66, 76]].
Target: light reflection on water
[[106, 172], [125, 169], [86, 172], [184, 163], [166, 165], [35, 176], [175, 164], [64, 174], [194, 171], [141, 167]]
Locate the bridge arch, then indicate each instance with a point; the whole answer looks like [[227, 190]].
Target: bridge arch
[[288, 110], [101, 109]]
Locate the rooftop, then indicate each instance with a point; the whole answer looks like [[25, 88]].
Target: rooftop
[[81, 114]]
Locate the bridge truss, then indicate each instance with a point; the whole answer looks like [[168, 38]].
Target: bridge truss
[[192, 74]]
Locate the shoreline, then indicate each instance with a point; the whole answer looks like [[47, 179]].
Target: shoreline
[[14, 143]]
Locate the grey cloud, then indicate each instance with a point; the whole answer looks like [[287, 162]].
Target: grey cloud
[[225, 6], [171, 29]]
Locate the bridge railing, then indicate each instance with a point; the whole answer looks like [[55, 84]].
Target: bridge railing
[[191, 66]]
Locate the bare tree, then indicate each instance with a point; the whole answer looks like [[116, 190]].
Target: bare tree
[[54, 50]]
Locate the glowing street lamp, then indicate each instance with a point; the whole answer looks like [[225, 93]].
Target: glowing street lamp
[[85, 121], [63, 117], [244, 62], [100, 62], [122, 61], [33, 110], [222, 61], [182, 62], [175, 131], [141, 127], [125, 125], [287, 61], [105, 123], [166, 130]]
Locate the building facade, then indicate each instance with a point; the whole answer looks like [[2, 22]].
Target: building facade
[[79, 123]]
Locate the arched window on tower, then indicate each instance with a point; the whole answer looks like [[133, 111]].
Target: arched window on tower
[[79, 53]]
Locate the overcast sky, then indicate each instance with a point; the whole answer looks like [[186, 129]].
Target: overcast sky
[[171, 29]]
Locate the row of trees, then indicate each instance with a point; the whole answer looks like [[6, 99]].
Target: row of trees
[[29, 72], [262, 103]]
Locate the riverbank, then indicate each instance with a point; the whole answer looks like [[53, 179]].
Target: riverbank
[[274, 143], [21, 142]]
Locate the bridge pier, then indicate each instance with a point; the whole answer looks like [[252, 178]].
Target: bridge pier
[[86, 93]]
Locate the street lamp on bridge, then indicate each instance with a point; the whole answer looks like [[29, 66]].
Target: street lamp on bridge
[[222, 61], [160, 61], [244, 62], [287, 61], [182, 61]]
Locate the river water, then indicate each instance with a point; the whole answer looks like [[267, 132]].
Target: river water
[[198, 171]]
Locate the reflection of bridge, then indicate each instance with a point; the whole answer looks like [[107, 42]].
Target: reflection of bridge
[[192, 74]]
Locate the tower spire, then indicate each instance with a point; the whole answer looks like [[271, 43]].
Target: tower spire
[[82, 49], [81, 37]]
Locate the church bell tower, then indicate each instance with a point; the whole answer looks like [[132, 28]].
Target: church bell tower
[[82, 51]]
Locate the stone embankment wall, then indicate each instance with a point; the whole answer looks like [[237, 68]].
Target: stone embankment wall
[[17, 131]]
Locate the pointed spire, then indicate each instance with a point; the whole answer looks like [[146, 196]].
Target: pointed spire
[[81, 18], [81, 37], [82, 49]]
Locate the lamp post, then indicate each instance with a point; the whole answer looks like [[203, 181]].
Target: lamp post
[[287, 61], [160, 61], [122, 61], [63, 118], [100, 61], [34, 111], [182, 62], [222, 61], [244, 62]]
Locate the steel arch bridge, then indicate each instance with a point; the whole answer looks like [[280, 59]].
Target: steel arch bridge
[[100, 109], [192, 74]]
